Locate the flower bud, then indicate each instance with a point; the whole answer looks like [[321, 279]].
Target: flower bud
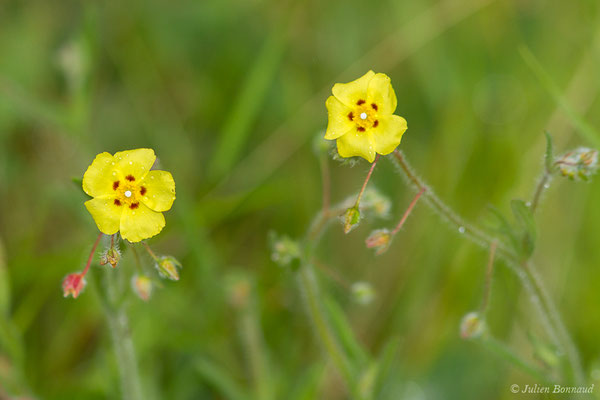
[[351, 219], [238, 288], [73, 284], [472, 326], [142, 286], [379, 240], [578, 164], [284, 251], [110, 256], [168, 267], [362, 292]]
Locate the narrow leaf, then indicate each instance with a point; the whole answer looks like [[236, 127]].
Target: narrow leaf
[[549, 157], [526, 222], [342, 330]]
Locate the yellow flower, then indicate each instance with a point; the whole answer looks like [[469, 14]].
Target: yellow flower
[[127, 195], [361, 117]]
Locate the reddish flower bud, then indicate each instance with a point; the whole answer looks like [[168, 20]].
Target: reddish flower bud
[[379, 240], [142, 286], [73, 284]]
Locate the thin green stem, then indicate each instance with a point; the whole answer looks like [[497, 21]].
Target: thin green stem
[[503, 351], [110, 293], [91, 257], [326, 182], [537, 195], [488, 278], [309, 285]]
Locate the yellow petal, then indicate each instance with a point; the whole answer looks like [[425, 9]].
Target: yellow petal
[[350, 93], [100, 175], [106, 214], [388, 134], [159, 192], [339, 122], [136, 162], [381, 93], [140, 223], [355, 143]]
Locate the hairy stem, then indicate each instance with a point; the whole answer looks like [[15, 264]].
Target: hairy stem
[[364, 186], [412, 205], [531, 281], [537, 195], [488, 278]]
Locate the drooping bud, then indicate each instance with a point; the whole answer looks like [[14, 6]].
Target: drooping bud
[[362, 292], [379, 240], [472, 326], [578, 164], [168, 268], [351, 219], [111, 256], [284, 250], [73, 284], [142, 286]]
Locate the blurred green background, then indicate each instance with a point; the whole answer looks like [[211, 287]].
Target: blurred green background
[[230, 94]]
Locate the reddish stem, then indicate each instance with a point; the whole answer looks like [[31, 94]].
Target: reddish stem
[[89, 261], [408, 211], [364, 186]]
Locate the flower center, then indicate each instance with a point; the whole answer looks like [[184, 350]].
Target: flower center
[[367, 116], [127, 193]]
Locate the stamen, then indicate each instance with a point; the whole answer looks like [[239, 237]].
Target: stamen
[[115, 185], [127, 193], [363, 115], [130, 178]]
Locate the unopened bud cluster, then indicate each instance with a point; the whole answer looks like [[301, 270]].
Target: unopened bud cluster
[[73, 284], [284, 250], [578, 164], [111, 256], [351, 219]]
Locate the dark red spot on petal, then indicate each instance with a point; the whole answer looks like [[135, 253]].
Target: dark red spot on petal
[[375, 124], [351, 116], [360, 129], [142, 190], [115, 185], [360, 102], [133, 206], [117, 202], [374, 106], [130, 178]]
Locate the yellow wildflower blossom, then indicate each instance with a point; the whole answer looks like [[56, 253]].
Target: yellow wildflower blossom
[[361, 117], [127, 195]]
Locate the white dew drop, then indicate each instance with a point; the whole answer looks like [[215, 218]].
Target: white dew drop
[[127, 193], [130, 162], [546, 186], [363, 115], [461, 229]]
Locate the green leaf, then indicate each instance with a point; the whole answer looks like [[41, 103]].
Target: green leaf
[[526, 223], [545, 352], [342, 330], [504, 227], [384, 364], [549, 157], [221, 380]]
